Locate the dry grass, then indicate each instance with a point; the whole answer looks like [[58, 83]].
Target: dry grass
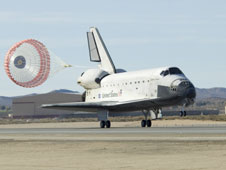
[[124, 152], [203, 117], [221, 118]]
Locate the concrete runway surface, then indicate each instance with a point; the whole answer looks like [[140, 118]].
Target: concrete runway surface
[[120, 130], [63, 147]]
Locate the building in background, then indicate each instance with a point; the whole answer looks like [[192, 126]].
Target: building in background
[[30, 106]]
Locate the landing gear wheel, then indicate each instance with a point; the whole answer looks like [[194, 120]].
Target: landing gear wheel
[[108, 124], [143, 123], [102, 124], [149, 123], [181, 114]]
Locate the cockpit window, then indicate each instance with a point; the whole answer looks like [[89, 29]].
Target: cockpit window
[[164, 73], [174, 70], [171, 71]]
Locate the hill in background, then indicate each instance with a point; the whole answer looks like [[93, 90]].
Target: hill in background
[[5, 101], [211, 93]]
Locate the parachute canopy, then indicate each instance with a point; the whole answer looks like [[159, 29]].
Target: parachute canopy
[[29, 64]]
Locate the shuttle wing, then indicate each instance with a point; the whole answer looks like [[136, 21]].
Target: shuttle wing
[[79, 106], [107, 105]]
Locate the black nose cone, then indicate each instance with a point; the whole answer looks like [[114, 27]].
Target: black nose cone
[[191, 93], [187, 89]]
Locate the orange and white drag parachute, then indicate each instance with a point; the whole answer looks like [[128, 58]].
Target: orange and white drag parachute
[[28, 63]]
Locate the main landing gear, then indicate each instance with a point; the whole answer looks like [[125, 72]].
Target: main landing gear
[[103, 118], [104, 124], [146, 122]]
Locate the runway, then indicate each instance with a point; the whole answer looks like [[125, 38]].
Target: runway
[[122, 130], [78, 145]]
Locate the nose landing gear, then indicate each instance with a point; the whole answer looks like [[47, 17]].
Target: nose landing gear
[[183, 113]]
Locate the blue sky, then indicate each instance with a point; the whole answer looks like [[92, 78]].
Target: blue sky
[[190, 34]]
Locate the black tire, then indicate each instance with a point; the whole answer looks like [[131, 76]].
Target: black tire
[[143, 123], [181, 114], [102, 124], [108, 124], [149, 123], [185, 113]]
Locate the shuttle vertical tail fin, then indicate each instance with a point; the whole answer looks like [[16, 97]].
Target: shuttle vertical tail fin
[[98, 51]]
